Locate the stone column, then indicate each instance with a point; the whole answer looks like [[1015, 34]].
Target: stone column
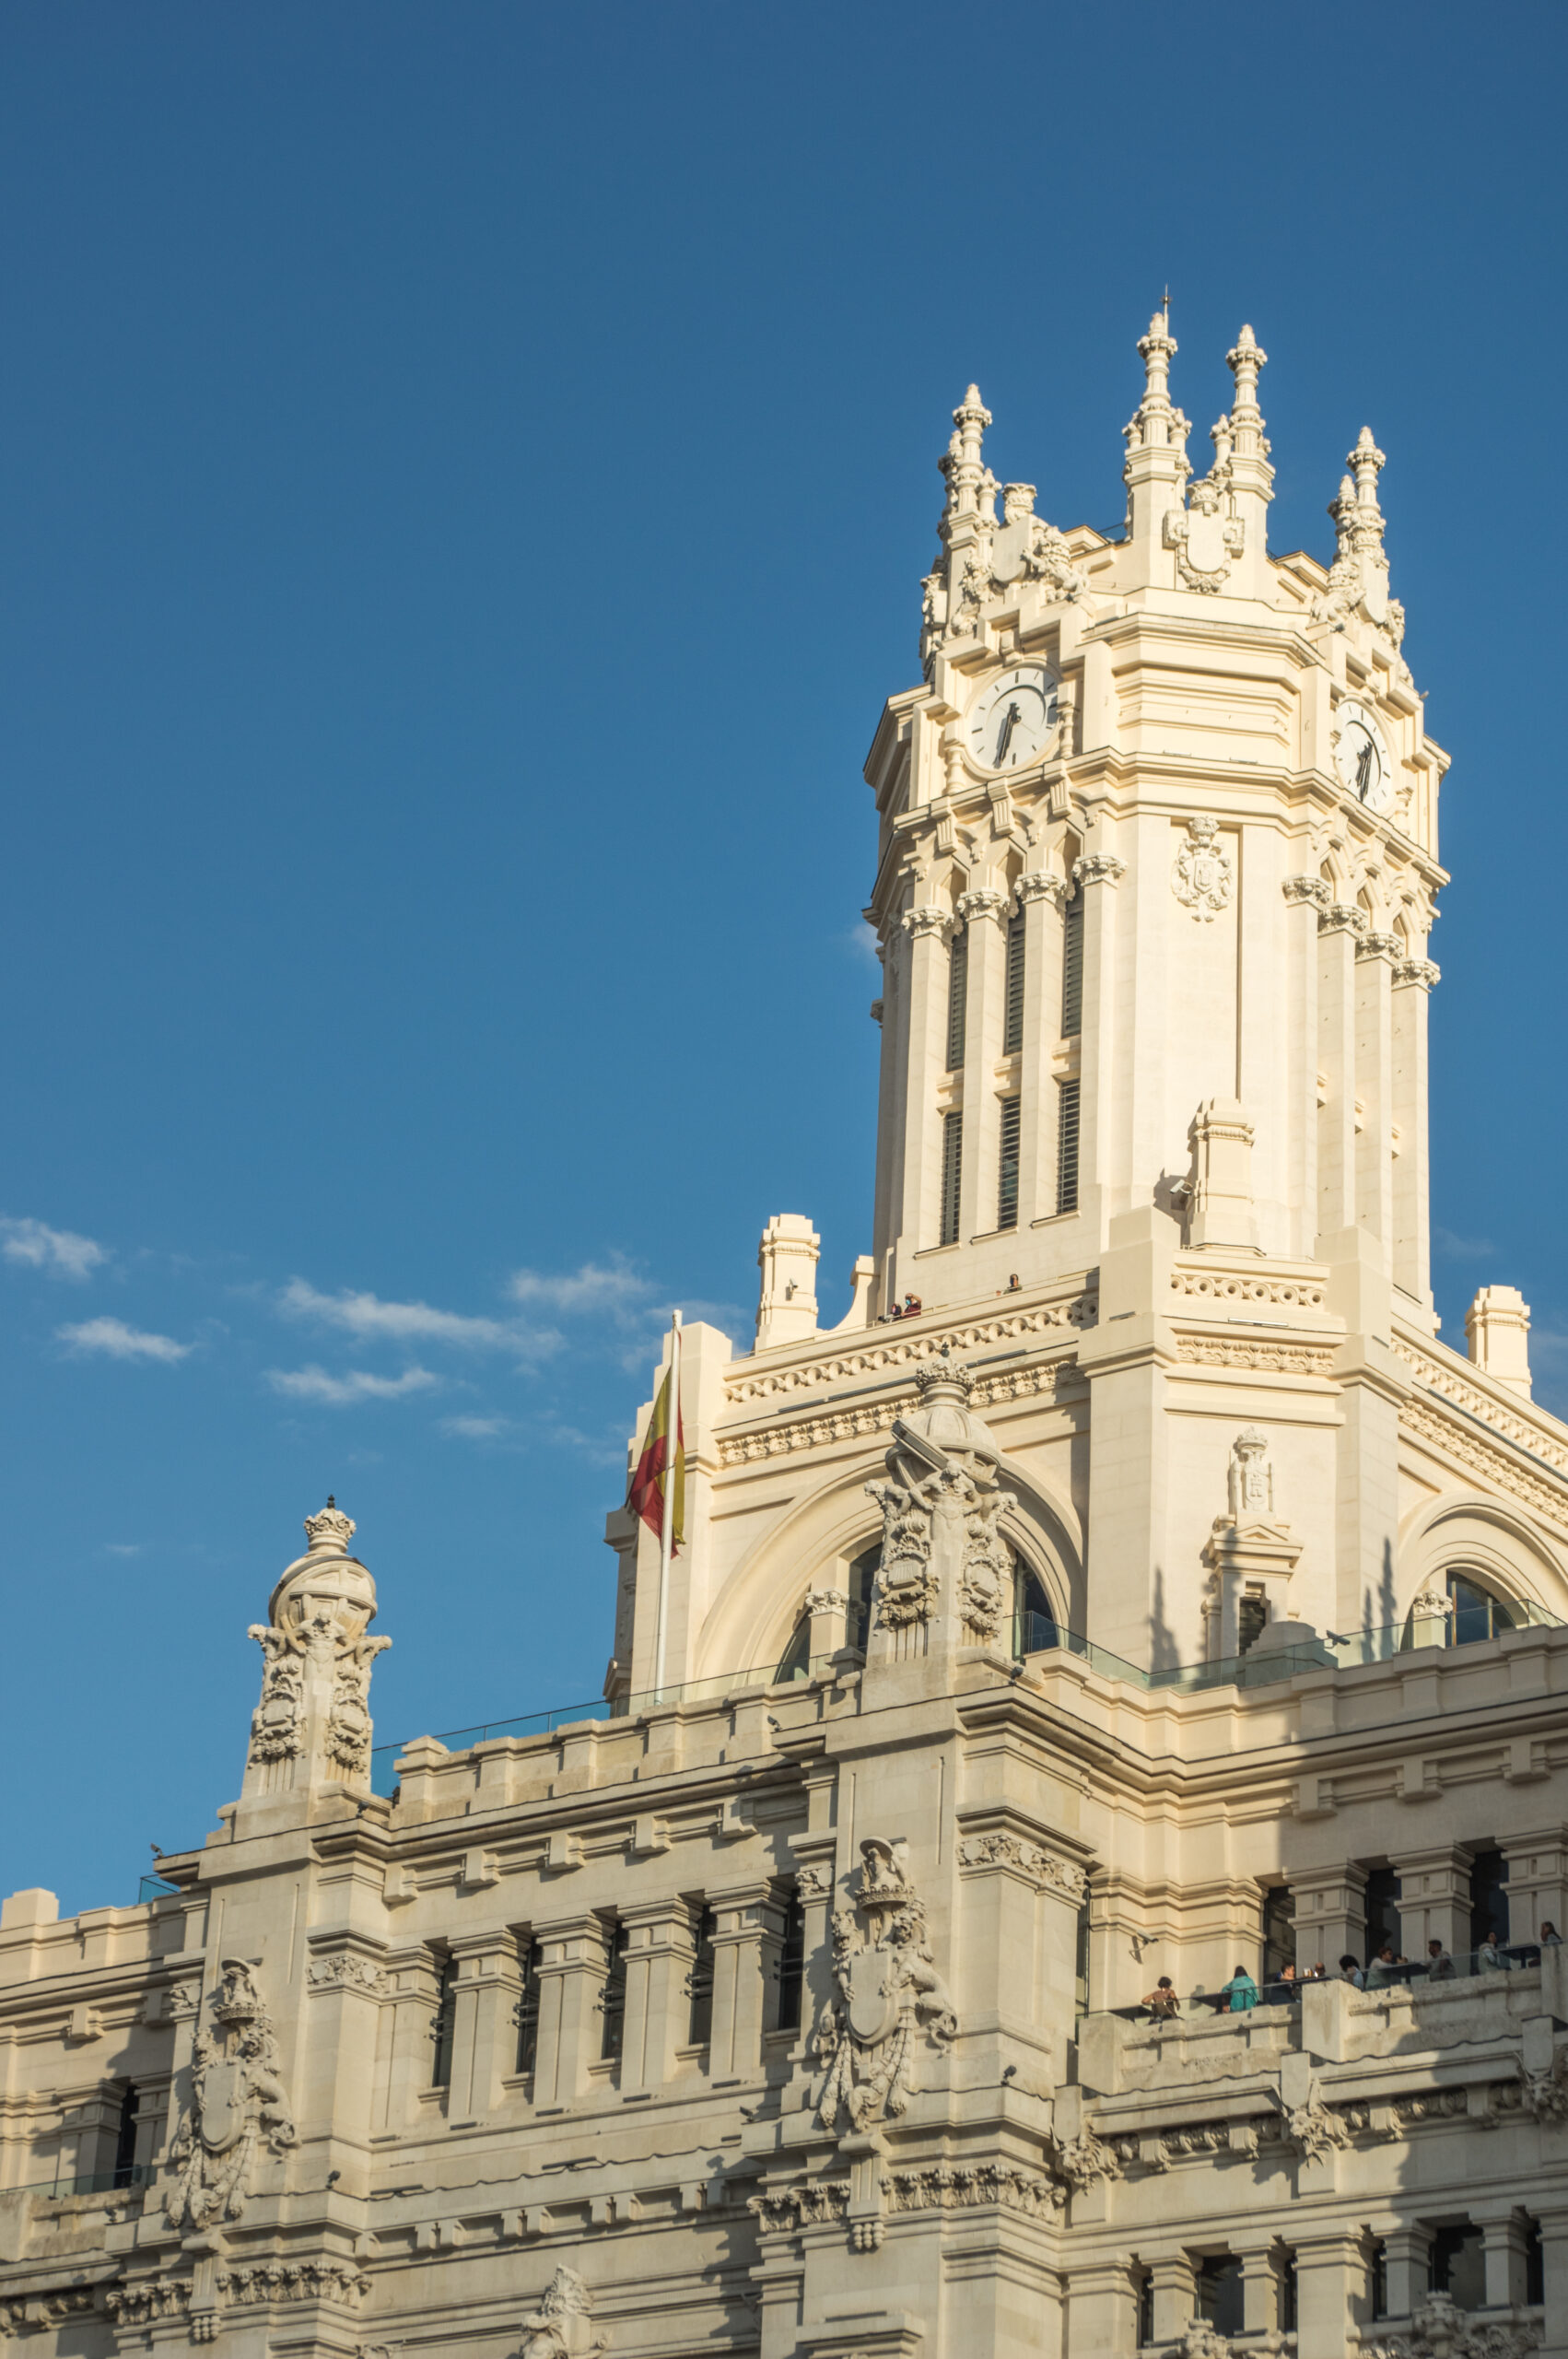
[[573, 1961], [1434, 1898], [917, 1221], [1040, 897], [984, 912], [1018, 1931], [1502, 2242], [747, 1935], [1407, 2265], [1340, 927], [829, 1612], [661, 1945], [489, 1983], [1096, 874], [1413, 978], [815, 1858], [1375, 954], [1537, 1881], [1259, 2286], [343, 1988], [414, 1978], [1553, 2227], [1304, 896], [1175, 2296], [1102, 2312], [1330, 2277]]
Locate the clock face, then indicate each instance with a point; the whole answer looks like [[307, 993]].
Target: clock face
[[1013, 718], [1362, 756]]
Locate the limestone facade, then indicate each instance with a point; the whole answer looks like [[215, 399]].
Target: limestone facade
[[1154, 1594]]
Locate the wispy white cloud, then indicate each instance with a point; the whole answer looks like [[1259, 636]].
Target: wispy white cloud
[[612, 1286], [117, 1342], [315, 1383], [59, 1251], [124, 1547], [366, 1317], [476, 1428], [1462, 1249]]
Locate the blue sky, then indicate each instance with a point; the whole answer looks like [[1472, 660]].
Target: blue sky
[[467, 473]]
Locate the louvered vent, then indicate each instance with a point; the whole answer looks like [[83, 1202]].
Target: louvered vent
[[1012, 1023], [1072, 967], [1007, 1178], [957, 999], [952, 1175], [1067, 1147]]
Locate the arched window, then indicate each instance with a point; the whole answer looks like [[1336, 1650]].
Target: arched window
[[862, 1581], [1475, 1614], [1033, 1624], [796, 1660]]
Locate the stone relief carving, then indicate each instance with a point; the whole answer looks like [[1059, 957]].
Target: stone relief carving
[[1440, 2330], [941, 1507], [1044, 1868], [1098, 868], [237, 2103], [345, 1972], [812, 1883], [942, 2186], [1204, 538], [802, 2206], [1313, 2131], [1251, 1476], [889, 1991], [316, 1682], [561, 2328], [1202, 874], [1543, 2095], [1082, 2160], [293, 2281]]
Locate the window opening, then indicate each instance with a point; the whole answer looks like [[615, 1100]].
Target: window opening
[[1007, 1178], [862, 1581], [1072, 967], [1288, 2303], [1219, 2294], [952, 1175], [1081, 1957], [1252, 1618], [1145, 2308], [528, 2010], [957, 999], [700, 1982], [1012, 1020], [792, 1962], [1459, 2266], [126, 2137], [1382, 1905], [796, 1661], [1066, 1147], [613, 1997], [442, 2024], [1033, 1624], [1380, 2280], [1489, 1897], [1477, 1614], [1279, 1931], [1535, 2263]]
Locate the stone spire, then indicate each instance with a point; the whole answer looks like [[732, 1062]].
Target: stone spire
[[311, 1728], [962, 462], [1156, 433]]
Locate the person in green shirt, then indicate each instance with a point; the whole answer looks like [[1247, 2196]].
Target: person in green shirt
[[1243, 1991]]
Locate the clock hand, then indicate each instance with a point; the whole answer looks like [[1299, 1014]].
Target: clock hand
[[1363, 768], [1004, 735]]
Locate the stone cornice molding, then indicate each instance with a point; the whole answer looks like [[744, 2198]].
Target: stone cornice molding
[[1342, 917], [1298, 890], [1098, 868], [1040, 884], [1380, 945], [927, 918], [1424, 973], [983, 902]]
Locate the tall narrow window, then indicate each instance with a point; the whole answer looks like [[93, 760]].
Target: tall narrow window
[[1489, 1897], [1013, 1021], [1007, 1174], [443, 2023], [613, 1997], [1381, 1903], [1072, 967], [125, 2139], [862, 1581], [528, 2011], [1067, 1147], [700, 1983], [952, 1175], [957, 999], [791, 1963], [1279, 1931]]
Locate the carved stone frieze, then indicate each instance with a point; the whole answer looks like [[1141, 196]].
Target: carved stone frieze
[[237, 2103], [942, 2186], [1286, 1360], [893, 1351], [1439, 2329], [293, 2281], [887, 1992], [344, 1972], [807, 2204], [1221, 1286], [1300, 890], [1044, 1868], [1082, 2160]]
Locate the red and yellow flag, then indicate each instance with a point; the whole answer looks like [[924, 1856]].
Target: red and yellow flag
[[646, 1497]]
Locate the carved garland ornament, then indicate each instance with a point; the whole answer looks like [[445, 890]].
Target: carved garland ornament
[[889, 1991], [1042, 1868]]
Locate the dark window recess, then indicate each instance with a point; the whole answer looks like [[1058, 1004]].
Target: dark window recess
[[796, 1661], [957, 999], [1279, 1931], [1489, 1897], [1013, 1021], [1033, 1624], [1380, 2280], [1145, 2308], [791, 1962], [1535, 2265], [528, 2011], [1219, 2294], [1007, 1176], [1288, 2294], [952, 1175], [443, 2023], [613, 1997], [1081, 1957], [126, 2137], [1477, 1613], [862, 1581], [1067, 1147], [1382, 1905], [1252, 1617], [700, 1982], [1459, 2266], [1072, 967]]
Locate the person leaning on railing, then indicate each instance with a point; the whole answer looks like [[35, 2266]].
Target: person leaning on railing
[[1241, 1990], [1162, 2001]]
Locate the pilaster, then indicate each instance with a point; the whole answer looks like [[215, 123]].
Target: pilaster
[[917, 1216], [1413, 978], [984, 914], [573, 1961], [748, 1933], [1102, 2311], [1330, 2289], [659, 1953], [1097, 875], [1330, 1913], [1040, 896], [489, 1983], [1339, 928], [1304, 896], [1375, 954], [1434, 1898]]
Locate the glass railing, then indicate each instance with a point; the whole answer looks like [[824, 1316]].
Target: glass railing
[[128, 2176], [1417, 1974], [1262, 1665], [154, 1888]]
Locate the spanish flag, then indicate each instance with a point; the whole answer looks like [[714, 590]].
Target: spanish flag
[[646, 1497]]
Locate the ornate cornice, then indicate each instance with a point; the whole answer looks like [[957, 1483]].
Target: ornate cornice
[[1040, 884], [1299, 891], [983, 902], [1342, 917], [1098, 868], [927, 918], [1424, 973]]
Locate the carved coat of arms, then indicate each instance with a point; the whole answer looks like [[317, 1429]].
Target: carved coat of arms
[[888, 1992], [1204, 873], [1204, 538], [236, 2102]]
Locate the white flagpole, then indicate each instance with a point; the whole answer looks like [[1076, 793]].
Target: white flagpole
[[667, 1531]]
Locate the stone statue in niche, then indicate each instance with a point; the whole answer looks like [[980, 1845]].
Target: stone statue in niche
[[888, 1992], [237, 2103]]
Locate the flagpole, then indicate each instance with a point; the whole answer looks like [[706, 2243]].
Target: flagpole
[[667, 1529]]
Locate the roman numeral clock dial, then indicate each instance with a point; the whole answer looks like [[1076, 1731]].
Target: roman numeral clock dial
[[1014, 718]]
